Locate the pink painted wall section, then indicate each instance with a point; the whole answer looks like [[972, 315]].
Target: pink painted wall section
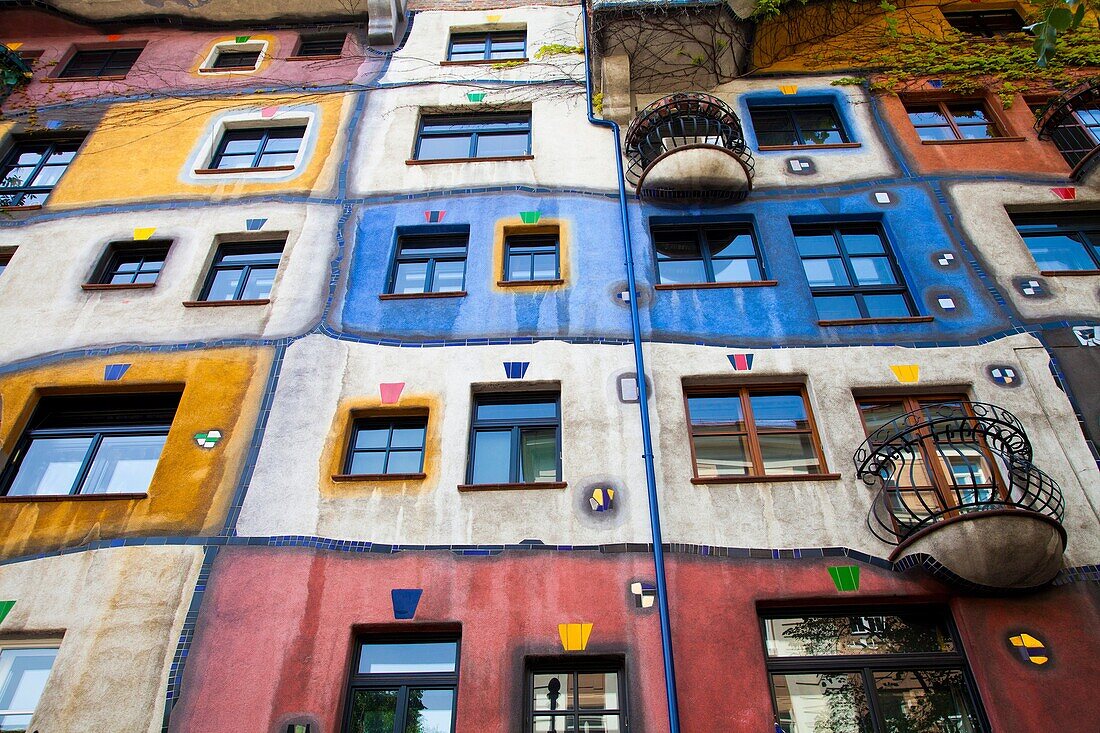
[[276, 629], [169, 60]]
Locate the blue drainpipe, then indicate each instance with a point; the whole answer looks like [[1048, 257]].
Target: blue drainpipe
[[643, 401]]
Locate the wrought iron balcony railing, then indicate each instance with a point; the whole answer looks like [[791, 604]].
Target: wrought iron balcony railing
[[947, 460], [721, 169], [1072, 122], [13, 70]]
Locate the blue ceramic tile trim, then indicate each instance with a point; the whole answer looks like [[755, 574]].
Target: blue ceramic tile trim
[[183, 645]]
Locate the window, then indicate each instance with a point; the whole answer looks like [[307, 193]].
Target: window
[[489, 46], [248, 148], [988, 23], [790, 125], [531, 257], [458, 137], [851, 272], [515, 439], [5, 257], [404, 683], [892, 671], [329, 44], [91, 444], [941, 470], [753, 431], [576, 697], [382, 446], [132, 263], [962, 120], [1077, 134], [235, 60], [32, 168], [24, 672], [106, 62], [429, 263], [1062, 242], [243, 271], [709, 253]]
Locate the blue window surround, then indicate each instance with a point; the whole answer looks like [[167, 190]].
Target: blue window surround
[[473, 126], [410, 232], [497, 45], [705, 220], [817, 98]]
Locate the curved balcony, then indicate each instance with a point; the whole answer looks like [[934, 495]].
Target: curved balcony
[[956, 484], [1072, 122], [689, 148]]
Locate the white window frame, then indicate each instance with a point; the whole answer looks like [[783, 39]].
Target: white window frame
[[205, 67], [16, 644], [253, 118]]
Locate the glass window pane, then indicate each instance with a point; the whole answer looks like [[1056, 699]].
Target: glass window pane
[[676, 246], [259, 283], [554, 724], [373, 711], [825, 273], [371, 437], [877, 414], [502, 144], [429, 711], [224, 285], [832, 702], [716, 409], [673, 272], [538, 452], [1060, 251], [270, 159], [599, 724], [408, 438], [517, 410], [730, 244], [835, 307], [887, 306], [124, 464], [450, 276], [936, 133], [410, 277], [926, 116], [546, 267], [929, 701], [873, 271], [50, 466], [845, 635], [49, 175], [978, 132], [369, 463], [492, 457], [964, 114], [721, 455], [553, 691], [411, 657], [519, 267], [816, 243], [405, 461], [23, 674], [788, 454], [779, 411], [598, 691], [862, 243], [732, 271], [443, 147]]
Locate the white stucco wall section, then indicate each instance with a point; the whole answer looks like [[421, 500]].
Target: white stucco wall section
[[118, 614], [986, 223], [599, 434], [568, 151], [44, 309], [418, 60], [871, 160], [834, 513]]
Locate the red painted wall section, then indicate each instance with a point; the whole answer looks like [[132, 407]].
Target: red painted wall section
[[1028, 156], [276, 629]]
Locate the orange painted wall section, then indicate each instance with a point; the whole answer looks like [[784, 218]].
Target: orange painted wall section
[[192, 487]]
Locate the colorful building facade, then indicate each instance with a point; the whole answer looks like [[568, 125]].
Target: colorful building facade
[[500, 366]]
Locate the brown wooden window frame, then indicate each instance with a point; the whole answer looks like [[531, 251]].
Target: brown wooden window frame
[[943, 105], [751, 432]]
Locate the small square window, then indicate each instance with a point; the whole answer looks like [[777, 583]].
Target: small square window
[[403, 683], [988, 23], [429, 263], [797, 125], [709, 253], [328, 44], [243, 272], [1062, 242], [236, 60], [487, 46], [91, 444], [515, 439], [960, 120], [531, 258], [132, 263], [32, 168], [249, 148], [386, 447], [582, 696], [24, 672], [105, 62], [462, 137]]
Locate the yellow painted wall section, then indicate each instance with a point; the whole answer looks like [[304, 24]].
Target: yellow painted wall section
[[813, 38], [192, 487], [146, 151]]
